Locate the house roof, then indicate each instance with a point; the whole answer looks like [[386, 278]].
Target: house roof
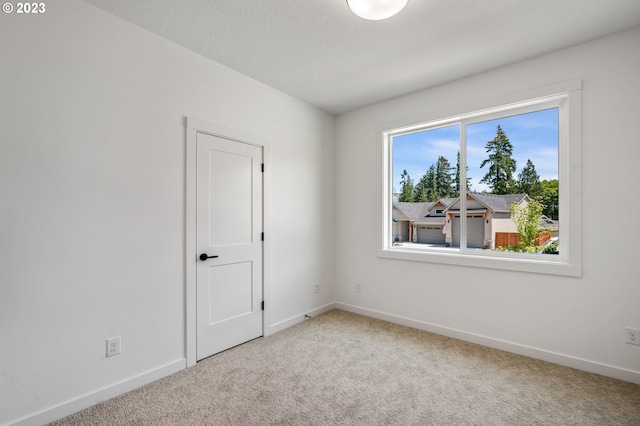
[[495, 203], [415, 212], [420, 213], [431, 220], [547, 222], [444, 202]]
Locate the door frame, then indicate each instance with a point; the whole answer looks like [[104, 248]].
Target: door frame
[[193, 127]]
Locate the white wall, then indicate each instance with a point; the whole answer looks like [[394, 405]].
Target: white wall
[[92, 202], [576, 321]]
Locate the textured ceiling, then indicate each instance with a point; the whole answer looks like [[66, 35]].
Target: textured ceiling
[[320, 52]]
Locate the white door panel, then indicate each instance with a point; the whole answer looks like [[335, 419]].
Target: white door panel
[[229, 291], [229, 228], [230, 217]]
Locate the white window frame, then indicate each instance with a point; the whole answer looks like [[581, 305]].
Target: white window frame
[[567, 97]]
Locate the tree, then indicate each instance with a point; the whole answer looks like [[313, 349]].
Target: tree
[[444, 183], [501, 165], [406, 191], [421, 190], [436, 183], [526, 216], [430, 183], [550, 198], [456, 180], [529, 181]]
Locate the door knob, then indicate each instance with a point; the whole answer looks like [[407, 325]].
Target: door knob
[[204, 256]]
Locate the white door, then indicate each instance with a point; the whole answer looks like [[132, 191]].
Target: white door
[[229, 241]]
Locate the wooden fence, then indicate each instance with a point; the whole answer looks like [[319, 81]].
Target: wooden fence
[[507, 239]]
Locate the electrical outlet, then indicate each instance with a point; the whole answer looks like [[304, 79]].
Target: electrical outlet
[[359, 287], [633, 335], [113, 346], [317, 287]]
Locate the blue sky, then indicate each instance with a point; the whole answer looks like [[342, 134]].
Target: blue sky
[[534, 136]]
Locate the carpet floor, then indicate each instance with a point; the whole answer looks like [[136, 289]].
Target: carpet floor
[[346, 369]]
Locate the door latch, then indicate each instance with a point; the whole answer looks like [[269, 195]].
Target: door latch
[[204, 256]]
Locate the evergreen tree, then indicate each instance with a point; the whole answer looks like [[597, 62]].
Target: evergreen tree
[[432, 185], [529, 181], [444, 182], [406, 185], [456, 180], [501, 165], [421, 190]]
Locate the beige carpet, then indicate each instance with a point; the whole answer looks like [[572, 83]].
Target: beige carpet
[[346, 369]]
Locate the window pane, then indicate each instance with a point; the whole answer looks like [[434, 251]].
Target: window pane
[[512, 166], [424, 183]]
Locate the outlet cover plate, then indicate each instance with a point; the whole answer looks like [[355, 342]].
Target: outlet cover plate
[[633, 335], [113, 346]]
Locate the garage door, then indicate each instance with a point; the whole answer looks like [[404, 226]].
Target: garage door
[[431, 235], [475, 231]]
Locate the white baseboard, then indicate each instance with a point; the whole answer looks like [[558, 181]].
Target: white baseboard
[[92, 398], [541, 354], [281, 325]]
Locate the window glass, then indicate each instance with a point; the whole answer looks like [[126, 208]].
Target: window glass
[[424, 183], [512, 165]]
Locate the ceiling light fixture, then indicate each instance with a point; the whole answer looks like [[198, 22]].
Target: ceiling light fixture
[[375, 10]]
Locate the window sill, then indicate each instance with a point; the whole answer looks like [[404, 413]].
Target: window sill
[[533, 263]]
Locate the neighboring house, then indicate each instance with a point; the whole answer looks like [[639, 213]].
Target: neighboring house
[[420, 222], [548, 223], [486, 215], [439, 222]]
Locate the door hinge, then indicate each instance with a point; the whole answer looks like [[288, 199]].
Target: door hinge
[[262, 236], [262, 167], [263, 305]]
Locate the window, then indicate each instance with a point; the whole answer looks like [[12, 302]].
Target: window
[[497, 187]]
